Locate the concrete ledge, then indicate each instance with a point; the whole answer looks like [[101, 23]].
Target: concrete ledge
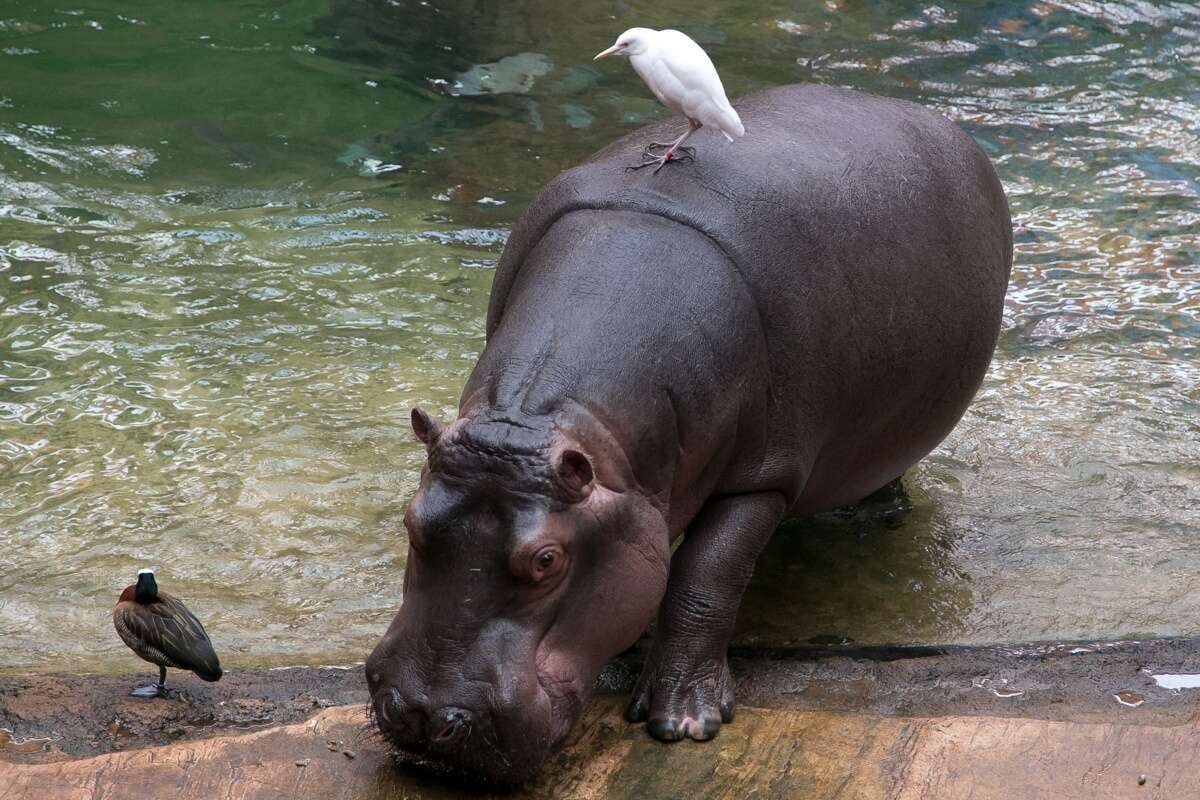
[[769, 753], [1017, 723]]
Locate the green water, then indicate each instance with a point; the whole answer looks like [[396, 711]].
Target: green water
[[239, 240]]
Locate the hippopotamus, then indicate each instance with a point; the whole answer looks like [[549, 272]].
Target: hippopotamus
[[674, 364]]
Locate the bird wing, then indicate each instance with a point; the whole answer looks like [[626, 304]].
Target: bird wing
[[689, 64], [660, 80], [703, 94], [168, 627]]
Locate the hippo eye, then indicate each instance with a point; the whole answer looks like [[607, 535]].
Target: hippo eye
[[545, 562]]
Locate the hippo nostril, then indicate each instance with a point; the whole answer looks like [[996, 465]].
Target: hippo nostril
[[391, 704], [449, 725]]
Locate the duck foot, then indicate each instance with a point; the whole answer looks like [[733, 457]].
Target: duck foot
[[155, 689]]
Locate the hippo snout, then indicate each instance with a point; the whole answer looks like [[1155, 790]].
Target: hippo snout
[[449, 727], [401, 722], [502, 741], [420, 728]]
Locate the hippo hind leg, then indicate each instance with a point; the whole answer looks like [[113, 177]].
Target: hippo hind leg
[[889, 505], [685, 689], [891, 492]]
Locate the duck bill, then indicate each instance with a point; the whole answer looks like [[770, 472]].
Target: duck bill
[[605, 53]]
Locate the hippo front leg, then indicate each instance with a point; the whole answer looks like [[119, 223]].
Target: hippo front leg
[[685, 689]]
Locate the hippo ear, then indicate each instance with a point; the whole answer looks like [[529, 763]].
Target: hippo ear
[[575, 476], [427, 429]]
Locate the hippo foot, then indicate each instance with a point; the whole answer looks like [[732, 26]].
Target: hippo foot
[[682, 702]]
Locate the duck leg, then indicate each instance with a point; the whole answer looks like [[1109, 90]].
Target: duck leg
[[155, 689]]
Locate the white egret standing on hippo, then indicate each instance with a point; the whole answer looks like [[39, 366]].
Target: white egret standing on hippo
[[683, 78]]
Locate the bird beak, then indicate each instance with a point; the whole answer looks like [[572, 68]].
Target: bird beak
[[605, 53]]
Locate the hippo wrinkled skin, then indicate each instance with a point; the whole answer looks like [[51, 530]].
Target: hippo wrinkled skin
[[779, 328]]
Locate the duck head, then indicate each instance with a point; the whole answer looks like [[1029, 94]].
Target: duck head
[[147, 589]]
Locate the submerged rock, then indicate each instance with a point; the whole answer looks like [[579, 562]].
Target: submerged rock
[[509, 75]]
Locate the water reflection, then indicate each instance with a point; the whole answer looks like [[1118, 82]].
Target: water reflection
[[237, 243], [885, 570]]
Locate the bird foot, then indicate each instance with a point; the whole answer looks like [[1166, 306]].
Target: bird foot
[[153, 690], [690, 152], [658, 162]]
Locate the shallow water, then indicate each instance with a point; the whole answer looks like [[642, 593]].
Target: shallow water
[[238, 242]]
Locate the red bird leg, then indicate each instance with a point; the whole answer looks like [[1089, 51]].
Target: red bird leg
[[669, 155]]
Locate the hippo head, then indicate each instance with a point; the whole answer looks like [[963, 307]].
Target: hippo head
[[532, 560]]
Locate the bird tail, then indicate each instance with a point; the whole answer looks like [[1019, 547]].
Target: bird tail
[[731, 123], [209, 674], [203, 661]]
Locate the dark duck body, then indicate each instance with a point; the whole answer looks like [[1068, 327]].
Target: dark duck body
[[161, 630]]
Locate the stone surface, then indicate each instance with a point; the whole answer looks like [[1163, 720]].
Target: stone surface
[[92, 714], [769, 753], [1017, 723]]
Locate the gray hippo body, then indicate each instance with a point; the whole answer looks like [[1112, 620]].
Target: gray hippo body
[[779, 328]]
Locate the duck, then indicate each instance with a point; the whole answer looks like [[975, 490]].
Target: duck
[[160, 629]]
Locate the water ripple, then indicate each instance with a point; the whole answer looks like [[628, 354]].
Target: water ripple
[[212, 328]]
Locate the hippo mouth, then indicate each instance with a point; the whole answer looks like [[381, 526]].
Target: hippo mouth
[[501, 754], [480, 760], [566, 703]]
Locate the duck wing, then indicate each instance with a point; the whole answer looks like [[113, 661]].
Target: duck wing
[[168, 627]]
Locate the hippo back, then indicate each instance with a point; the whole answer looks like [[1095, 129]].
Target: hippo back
[[875, 240]]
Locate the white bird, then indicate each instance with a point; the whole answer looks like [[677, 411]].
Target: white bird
[[683, 78]]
